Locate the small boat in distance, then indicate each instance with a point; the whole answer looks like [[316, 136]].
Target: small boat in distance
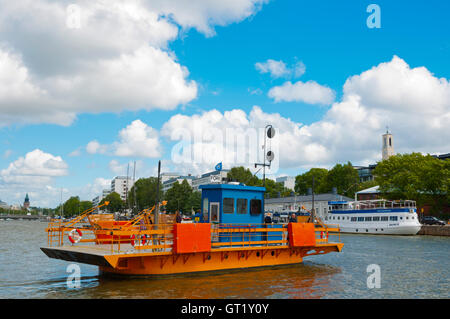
[[380, 216]]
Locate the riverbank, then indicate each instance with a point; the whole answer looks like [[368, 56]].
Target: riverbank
[[435, 230]]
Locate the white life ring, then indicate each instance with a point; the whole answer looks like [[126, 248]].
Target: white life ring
[[75, 236]]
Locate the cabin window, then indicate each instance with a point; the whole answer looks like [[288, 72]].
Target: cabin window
[[228, 205], [384, 218], [393, 218], [368, 219], [242, 206], [255, 207], [205, 209], [376, 218], [353, 219], [360, 219]]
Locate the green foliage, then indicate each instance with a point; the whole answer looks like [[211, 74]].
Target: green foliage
[[344, 177], [145, 189], [243, 175], [181, 197], [425, 179], [304, 182], [115, 202], [71, 207]]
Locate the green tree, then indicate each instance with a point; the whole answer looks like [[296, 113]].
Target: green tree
[[273, 189], [115, 202], [178, 197], [414, 176], [243, 175], [344, 177], [304, 182], [71, 207], [145, 189], [85, 205]]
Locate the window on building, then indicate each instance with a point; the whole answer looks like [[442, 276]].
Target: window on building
[[241, 205], [255, 207], [205, 209], [228, 205]]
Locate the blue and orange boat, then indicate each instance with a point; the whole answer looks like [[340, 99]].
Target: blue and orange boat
[[230, 235]]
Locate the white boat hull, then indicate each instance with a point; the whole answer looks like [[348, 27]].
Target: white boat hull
[[399, 230]]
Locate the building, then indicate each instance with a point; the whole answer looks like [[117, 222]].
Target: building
[[168, 183], [215, 177], [121, 185], [287, 181], [388, 145], [294, 203], [365, 172], [166, 176], [442, 156], [26, 202], [4, 205], [368, 194]]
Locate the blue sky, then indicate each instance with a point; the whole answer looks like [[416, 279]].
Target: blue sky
[[330, 38]]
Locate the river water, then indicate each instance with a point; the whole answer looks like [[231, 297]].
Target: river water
[[410, 267]]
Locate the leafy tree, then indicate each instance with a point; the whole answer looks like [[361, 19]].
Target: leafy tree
[[244, 175], [414, 176], [85, 205], [304, 182], [72, 207], [115, 202], [273, 189], [344, 177], [145, 189], [179, 197]]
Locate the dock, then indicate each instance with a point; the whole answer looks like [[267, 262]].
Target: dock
[[25, 217], [435, 230]]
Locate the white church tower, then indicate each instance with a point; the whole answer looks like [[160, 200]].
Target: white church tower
[[388, 145]]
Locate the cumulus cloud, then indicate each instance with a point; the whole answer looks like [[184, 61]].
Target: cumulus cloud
[[411, 101], [279, 69], [307, 92], [37, 167], [136, 140], [117, 59]]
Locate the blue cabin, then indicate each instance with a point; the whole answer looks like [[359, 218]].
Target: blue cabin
[[230, 204], [233, 206]]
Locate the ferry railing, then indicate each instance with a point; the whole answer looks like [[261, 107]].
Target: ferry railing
[[159, 238]]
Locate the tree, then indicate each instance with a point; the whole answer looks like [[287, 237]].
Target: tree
[[71, 207], [179, 197], [304, 182], [115, 202], [243, 175], [344, 177], [414, 176], [274, 189], [145, 189], [85, 205]]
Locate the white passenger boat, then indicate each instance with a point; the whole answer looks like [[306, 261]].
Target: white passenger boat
[[374, 217]]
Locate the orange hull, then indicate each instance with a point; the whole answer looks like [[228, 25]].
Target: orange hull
[[211, 261]]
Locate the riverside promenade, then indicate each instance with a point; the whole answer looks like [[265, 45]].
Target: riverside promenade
[[435, 230]]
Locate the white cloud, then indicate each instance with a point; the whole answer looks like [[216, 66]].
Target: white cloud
[[276, 69], [117, 60], [36, 167], [136, 140], [279, 69], [308, 92]]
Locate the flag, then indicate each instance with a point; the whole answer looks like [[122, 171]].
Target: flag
[[219, 167]]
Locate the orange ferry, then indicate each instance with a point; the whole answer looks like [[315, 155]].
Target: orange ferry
[[230, 235]]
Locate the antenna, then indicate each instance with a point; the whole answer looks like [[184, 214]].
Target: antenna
[[134, 186]]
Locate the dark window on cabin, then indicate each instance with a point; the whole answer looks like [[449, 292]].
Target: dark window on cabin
[[376, 218], [393, 218], [353, 219], [368, 219], [360, 219], [228, 205], [242, 206], [384, 218], [255, 207]]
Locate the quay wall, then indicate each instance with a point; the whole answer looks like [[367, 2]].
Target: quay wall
[[435, 230]]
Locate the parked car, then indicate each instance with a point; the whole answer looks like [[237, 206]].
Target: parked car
[[431, 220]]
